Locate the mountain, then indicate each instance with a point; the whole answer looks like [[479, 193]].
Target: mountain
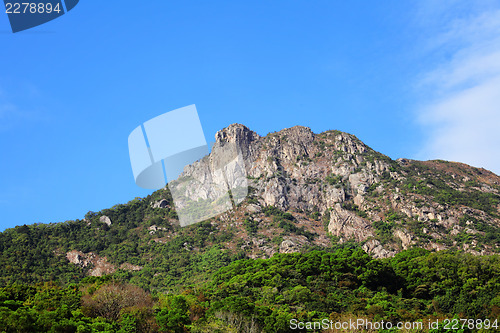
[[359, 194], [323, 231], [306, 192]]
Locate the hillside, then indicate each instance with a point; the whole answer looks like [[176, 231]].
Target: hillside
[[306, 191]]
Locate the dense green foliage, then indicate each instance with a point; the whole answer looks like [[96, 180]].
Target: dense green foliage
[[265, 294], [95, 305], [37, 253], [413, 285]]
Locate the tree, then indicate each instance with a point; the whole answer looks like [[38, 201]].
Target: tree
[[110, 299], [175, 316]]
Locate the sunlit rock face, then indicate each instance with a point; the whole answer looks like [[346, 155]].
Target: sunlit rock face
[[355, 192]]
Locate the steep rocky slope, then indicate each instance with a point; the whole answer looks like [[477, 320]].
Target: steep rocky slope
[[334, 180]]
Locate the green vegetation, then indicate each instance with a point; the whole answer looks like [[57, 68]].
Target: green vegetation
[[263, 295], [423, 180], [384, 231], [334, 179], [251, 226], [37, 253], [354, 208], [491, 234], [285, 221]]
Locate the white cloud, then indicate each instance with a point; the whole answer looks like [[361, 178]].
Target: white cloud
[[461, 107]]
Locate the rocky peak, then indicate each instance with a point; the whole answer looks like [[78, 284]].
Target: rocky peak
[[358, 194], [298, 134], [236, 133]]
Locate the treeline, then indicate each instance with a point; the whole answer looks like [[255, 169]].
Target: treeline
[[263, 295]]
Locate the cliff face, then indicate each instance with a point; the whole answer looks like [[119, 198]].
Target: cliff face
[[359, 194]]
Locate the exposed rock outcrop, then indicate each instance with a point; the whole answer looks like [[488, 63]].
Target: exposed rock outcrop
[[347, 225], [163, 203], [374, 247], [105, 219], [293, 244], [96, 265]]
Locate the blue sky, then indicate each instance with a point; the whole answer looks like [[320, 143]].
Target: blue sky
[[415, 79]]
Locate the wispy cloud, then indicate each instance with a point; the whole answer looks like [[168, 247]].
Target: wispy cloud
[[460, 112]]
